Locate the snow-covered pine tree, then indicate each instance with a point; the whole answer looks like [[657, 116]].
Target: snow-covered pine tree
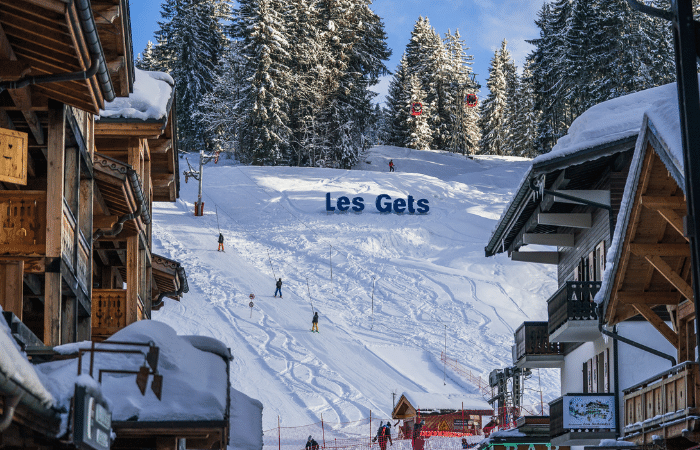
[[264, 138], [191, 41], [512, 110], [493, 126], [420, 135], [461, 122], [524, 124], [398, 96], [147, 60]]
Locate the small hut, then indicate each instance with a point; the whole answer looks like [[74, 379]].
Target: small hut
[[444, 414]]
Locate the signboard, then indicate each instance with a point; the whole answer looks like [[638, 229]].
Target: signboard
[[383, 203], [13, 156], [92, 419], [589, 411]]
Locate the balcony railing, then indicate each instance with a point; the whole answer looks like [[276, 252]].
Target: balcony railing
[[582, 419], [533, 349], [664, 402], [573, 303], [108, 311]]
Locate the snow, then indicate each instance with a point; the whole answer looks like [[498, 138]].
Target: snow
[[194, 381], [609, 121], [149, 101], [15, 367], [433, 288], [615, 443], [424, 401]]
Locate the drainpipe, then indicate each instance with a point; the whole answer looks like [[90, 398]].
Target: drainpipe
[[141, 209], [184, 287], [9, 404], [97, 67]]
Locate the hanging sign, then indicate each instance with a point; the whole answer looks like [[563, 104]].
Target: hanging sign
[[383, 203]]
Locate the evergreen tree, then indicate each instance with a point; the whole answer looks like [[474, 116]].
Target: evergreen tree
[[264, 138], [191, 42], [420, 135], [398, 113], [493, 125]]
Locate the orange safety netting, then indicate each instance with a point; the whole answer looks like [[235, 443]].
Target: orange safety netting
[[360, 434]]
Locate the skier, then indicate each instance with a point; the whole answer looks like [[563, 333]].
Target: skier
[[314, 322], [221, 243], [391, 165], [465, 445], [279, 287], [311, 444]]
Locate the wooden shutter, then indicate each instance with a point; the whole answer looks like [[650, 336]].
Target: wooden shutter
[[586, 377], [606, 370], [589, 365], [600, 260], [594, 374]]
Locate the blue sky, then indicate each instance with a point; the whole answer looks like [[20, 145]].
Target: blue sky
[[483, 24]]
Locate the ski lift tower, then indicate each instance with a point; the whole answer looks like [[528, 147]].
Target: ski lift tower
[[199, 175]]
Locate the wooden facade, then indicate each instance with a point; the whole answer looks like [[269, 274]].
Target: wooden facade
[[652, 281], [76, 197]]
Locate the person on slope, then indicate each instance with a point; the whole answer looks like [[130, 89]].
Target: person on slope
[[311, 444], [383, 434], [314, 322], [391, 165], [221, 243], [279, 287]]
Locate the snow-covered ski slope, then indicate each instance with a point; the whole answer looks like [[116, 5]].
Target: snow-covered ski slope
[[431, 280]]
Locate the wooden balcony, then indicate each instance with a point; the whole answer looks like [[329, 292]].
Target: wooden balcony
[[573, 315], [532, 347], [582, 419], [108, 312], [23, 219], [664, 405]]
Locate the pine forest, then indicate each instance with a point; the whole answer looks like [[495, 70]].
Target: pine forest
[[290, 82]]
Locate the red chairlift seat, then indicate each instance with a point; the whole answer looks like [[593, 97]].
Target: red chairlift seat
[[416, 109], [471, 100]]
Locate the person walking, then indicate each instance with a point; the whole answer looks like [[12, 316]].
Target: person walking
[[418, 442], [279, 287], [221, 243], [311, 444], [314, 322], [391, 165], [383, 434]]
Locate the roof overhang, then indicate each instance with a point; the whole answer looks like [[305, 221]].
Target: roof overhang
[[526, 201], [48, 37], [167, 280]]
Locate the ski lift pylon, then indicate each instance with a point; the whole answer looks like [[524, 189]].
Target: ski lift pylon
[[416, 109]]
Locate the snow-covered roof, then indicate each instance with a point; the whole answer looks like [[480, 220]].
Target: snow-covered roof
[[15, 367], [663, 120], [150, 100], [607, 122], [425, 401], [195, 381]]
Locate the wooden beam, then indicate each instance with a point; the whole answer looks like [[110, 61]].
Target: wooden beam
[[165, 179], [11, 288], [671, 275], [13, 70], [132, 279], [536, 257], [598, 196], [658, 323], [54, 222], [674, 220], [648, 298], [104, 222], [22, 97], [573, 220], [115, 65], [660, 249], [558, 239], [658, 202]]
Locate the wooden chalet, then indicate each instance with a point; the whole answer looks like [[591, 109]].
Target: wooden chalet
[[455, 413], [651, 280], [77, 183]]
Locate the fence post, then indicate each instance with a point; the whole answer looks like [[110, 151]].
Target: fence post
[[370, 427], [323, 432], [462, 417], [279, 434]]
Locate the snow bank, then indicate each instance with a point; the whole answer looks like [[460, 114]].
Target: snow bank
[[15, 366], [194, 381], [149, 101]]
